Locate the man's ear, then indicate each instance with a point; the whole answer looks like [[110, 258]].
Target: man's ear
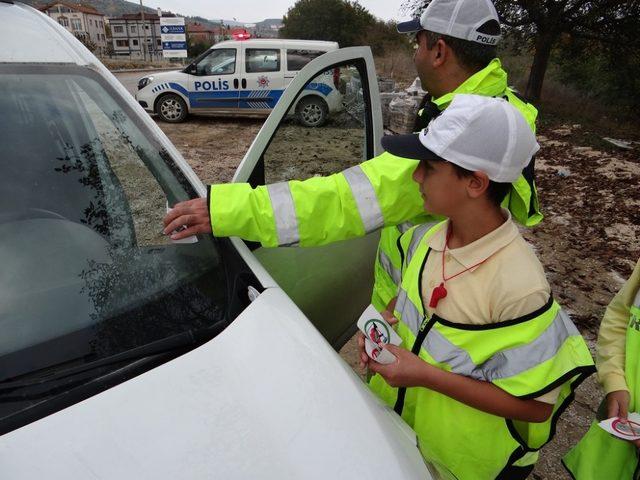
[[477, 184], [441, 53]]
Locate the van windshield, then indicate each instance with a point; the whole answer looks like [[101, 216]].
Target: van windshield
[[86, 272]]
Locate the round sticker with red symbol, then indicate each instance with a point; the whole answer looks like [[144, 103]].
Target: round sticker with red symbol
[[626, 427], [377, 331], [263, 81]]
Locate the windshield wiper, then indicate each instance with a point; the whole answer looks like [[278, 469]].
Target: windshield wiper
[[190, 338]]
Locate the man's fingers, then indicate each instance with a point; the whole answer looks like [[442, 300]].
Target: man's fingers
[[195, 230], [178, 222], [178, 210], [170, 217]]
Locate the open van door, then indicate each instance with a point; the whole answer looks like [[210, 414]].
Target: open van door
[[330, 284]]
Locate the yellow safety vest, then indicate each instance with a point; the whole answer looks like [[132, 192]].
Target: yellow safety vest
[[600, 455], [526, 357], [375, 194]]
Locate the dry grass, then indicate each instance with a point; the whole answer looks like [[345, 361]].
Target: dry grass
[[115, 64], [563, 103], [397, 66]]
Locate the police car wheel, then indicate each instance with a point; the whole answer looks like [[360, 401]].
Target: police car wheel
[[171, 108], [312, 112]]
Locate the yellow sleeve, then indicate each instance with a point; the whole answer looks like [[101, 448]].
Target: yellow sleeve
[[610, 349]]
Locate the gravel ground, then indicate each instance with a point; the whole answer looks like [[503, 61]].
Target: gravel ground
[[588, 243]]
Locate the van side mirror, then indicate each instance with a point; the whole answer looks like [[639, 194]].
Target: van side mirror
[[191, 69]]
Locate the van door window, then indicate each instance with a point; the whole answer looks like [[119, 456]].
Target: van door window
[[218, 62], [296, 59], [260, 60]]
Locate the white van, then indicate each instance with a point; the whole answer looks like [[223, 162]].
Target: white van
[[243, 77], [126, 356]]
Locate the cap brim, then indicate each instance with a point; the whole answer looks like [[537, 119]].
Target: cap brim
[[411, 26], [408, 146]]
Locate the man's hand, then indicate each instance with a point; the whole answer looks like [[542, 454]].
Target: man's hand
[[408, 370], [194, 214]]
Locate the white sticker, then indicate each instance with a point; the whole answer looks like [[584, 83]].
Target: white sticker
[[376, 331], [191, 239], [624, 428]]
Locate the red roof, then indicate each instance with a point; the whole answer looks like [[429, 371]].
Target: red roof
[[151, 17], [75, 6], [198, 28]]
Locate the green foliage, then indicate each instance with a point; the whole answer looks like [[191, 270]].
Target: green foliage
[[594, 42], [383, 37], [342, 21], [608, 73], [339, 21], [195, 48]]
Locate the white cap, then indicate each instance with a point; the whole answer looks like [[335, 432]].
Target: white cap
[[476, 133], [473, 20]]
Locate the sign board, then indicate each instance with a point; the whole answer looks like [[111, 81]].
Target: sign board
[[173, 35]]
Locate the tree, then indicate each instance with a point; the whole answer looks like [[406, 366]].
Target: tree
[[196, 47], [541, 23], [339, 21], [383, 37], [86, 41]]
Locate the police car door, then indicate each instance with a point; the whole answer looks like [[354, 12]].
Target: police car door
[[215, 81], [262, 80], [331, 284]]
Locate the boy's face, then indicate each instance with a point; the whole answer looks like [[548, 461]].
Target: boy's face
[[443, 191]]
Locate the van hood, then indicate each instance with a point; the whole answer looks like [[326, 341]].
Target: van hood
[[165, 76], [268, 398]]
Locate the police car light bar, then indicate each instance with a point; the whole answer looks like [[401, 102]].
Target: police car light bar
[[241, 35]]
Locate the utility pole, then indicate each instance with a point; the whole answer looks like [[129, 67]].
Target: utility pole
[[144, 45]]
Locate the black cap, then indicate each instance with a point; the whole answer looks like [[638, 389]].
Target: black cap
[[411, 26], [408, 146]]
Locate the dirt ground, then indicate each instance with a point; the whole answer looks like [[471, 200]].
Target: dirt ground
[[588, 242]]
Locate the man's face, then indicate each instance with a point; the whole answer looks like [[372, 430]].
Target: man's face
[[443, 191], [422, 58]]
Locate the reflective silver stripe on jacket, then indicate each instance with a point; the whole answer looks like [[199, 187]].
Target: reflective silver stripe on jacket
[[409, 313], [506, 363], [365, 197], [418, 235], [285, 213], [403, 227], [388, 267], [636, 302]]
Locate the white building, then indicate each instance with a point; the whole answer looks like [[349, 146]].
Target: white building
[[128, 35], [84, 21]]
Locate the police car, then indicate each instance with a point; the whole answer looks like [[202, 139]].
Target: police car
[[124, 355], [244, 78]]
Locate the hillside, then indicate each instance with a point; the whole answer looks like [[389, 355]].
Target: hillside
[[115, 8]]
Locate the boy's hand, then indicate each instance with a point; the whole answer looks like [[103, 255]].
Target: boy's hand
[[387, 314], [408, 370], [391, 320], [618, 404], [364, 358]]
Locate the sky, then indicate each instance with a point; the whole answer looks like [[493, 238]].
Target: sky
[[251, 11]]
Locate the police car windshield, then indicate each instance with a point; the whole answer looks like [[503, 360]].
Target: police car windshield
[[86, 272]]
